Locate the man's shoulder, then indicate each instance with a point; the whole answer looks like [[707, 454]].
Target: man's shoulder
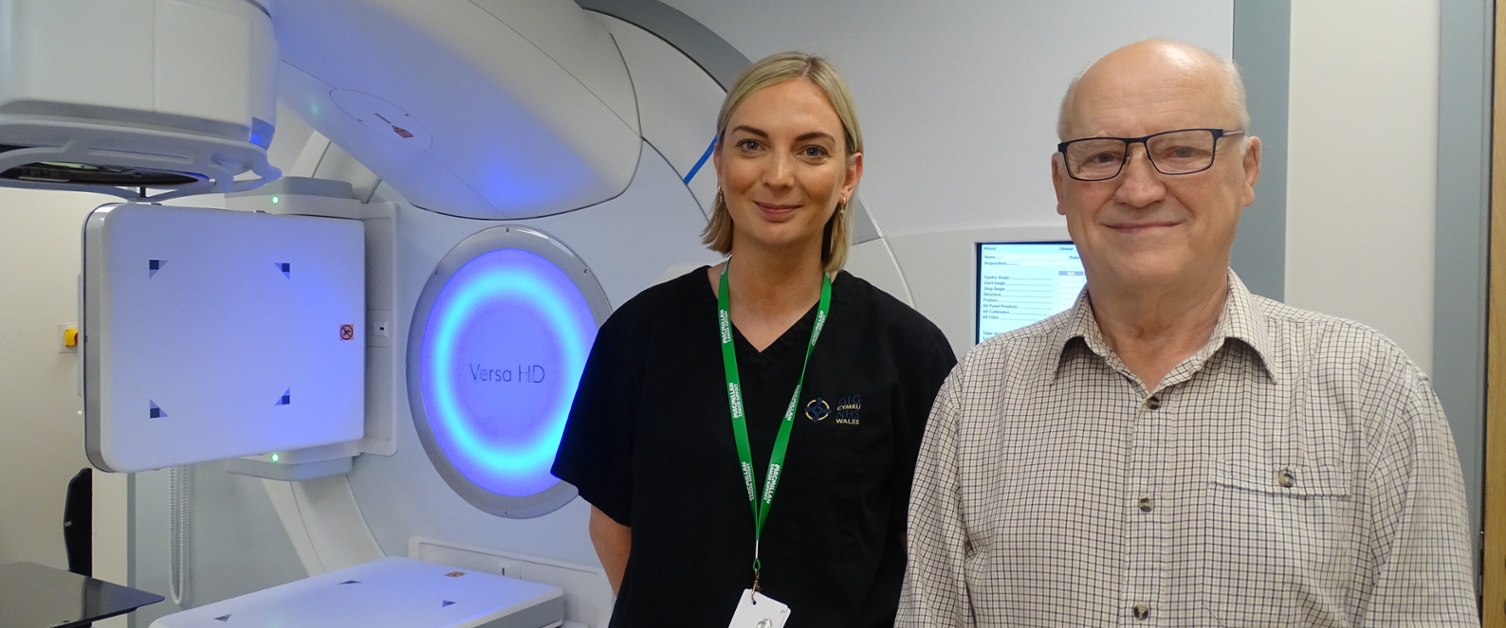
[[1283, 318], [1030, 344], [1315, 337]]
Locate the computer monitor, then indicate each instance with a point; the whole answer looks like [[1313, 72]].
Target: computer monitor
[[1020, 283]]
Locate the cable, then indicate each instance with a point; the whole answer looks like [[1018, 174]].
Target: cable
[[179, 537]]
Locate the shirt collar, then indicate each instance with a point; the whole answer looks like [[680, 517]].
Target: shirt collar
[[1242, 319]]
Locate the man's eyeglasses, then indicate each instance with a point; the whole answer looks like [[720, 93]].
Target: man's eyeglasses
[[1183, 151]]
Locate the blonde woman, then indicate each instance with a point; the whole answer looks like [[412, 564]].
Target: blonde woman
[[746, 433]]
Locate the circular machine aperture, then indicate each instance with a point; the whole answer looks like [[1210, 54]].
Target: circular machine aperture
[[498, 342]]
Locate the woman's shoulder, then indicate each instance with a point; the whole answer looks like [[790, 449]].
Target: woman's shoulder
[[678, 294], [887, 313], [883, 306]]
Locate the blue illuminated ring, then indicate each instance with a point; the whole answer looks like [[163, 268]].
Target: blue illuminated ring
[[510, 275], [506, 287]]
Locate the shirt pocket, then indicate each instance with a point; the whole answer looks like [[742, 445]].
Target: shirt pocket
[[836, 508], [1279, 545]]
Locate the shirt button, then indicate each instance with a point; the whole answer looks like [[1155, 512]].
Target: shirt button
[[1142, 611], [1146, 504], [1153, 402], [1286, 479]]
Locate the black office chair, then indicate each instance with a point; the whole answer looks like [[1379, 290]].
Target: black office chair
[[33, 594], [78, 523]]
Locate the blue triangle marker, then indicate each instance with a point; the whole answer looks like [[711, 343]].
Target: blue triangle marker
[[286, 399], [223, 618], [446, 604], [286, 268], [350, 582], [154, 265], [155, 412]]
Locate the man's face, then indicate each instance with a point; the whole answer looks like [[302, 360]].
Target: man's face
[[1144, 230]]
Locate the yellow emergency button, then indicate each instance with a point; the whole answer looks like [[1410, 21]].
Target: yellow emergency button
[[70, 337]]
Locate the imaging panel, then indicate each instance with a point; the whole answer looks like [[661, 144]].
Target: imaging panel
[[211, 334]]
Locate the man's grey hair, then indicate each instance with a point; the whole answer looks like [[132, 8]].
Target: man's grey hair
[[1235, 92]]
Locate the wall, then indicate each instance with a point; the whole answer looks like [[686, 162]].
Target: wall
[[958, 106], [1362, 187], [959, 129], [41, 432], [1363, 117], [1363, 190]]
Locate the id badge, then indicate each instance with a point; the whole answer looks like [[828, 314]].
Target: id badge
[[756, 610]]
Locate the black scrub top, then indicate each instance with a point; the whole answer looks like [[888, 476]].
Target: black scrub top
[[649, 443]]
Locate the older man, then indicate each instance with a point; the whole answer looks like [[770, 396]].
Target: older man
[[1174, 450]]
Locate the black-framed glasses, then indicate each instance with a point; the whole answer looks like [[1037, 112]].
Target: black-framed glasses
[[1183, 151]]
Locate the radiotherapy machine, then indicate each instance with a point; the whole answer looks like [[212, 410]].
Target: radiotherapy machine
[[362, 251]]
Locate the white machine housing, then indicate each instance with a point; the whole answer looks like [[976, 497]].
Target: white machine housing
[[387, 592], [493, 109], [99, 96], [602, 128], [594, 129]]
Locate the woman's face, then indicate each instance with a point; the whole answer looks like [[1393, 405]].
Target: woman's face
[[782, 167]]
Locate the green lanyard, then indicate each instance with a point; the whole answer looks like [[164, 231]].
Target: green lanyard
[[740, 420]]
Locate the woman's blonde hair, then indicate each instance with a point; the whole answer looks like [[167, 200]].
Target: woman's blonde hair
[[778, 68]]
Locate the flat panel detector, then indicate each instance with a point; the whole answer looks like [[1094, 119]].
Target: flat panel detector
[[212, 334]]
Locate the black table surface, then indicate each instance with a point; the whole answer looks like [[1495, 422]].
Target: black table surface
[[38, 596]]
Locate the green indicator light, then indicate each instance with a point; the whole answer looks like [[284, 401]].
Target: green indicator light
[[276, 457], [274, 200]]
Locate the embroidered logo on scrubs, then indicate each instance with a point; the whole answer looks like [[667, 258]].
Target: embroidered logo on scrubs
[[849, 410], [817, 409]]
